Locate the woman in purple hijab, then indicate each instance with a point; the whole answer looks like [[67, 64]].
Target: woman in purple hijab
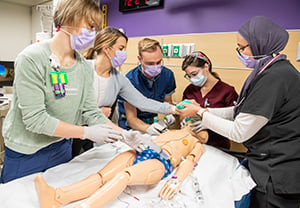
[[266, 118]]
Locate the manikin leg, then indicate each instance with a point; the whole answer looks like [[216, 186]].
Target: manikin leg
[[116, 165], [52, 198], [146, 172]]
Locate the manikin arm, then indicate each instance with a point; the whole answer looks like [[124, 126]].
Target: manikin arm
[[183, 171], [202, 136]]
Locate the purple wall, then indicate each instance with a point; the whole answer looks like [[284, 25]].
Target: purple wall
[[201, 16]]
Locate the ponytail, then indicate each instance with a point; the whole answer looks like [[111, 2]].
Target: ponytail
[[89, 53]]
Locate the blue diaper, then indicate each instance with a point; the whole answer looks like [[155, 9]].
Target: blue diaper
[[151, 154]]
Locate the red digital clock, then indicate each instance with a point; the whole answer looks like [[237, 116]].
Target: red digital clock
[[127, 5]]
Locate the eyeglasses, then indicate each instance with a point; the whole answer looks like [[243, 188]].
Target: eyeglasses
[[192, 74], [241, 48]]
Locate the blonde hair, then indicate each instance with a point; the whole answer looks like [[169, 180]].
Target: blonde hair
[[106, 37], [72, 12], [148, 45]]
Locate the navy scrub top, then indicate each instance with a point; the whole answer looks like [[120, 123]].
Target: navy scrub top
[[156, 88]]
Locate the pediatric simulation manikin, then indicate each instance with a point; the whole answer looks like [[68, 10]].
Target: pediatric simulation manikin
[[131, 168]]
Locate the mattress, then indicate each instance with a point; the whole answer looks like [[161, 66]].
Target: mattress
[[217, 181]]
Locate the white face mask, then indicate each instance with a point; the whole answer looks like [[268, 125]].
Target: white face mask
[[198, 80]]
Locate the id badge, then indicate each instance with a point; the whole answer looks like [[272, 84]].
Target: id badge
[[58, 80]]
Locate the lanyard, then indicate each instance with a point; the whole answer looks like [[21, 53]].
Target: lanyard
[[269, 64], [58, 79], [240, 102]]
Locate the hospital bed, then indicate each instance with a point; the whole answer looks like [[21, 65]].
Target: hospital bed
[[217, 181]]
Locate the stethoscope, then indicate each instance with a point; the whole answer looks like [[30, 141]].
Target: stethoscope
[[237, 104], [268, 64], [206, 104]]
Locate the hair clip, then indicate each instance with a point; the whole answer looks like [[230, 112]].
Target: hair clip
[[201, 56]]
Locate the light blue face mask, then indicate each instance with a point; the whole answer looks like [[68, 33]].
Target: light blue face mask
[[198, 80]]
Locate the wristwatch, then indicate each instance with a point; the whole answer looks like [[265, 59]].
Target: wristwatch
[[201, 112]]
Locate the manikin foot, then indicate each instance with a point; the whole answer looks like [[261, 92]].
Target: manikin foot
[[46, 193]]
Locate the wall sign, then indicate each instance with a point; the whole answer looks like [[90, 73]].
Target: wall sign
[[128, 5]]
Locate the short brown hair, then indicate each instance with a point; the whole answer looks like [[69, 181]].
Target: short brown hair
[[148, 44], [71, 12]]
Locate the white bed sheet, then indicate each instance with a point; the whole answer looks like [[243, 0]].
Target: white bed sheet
[[215, 182]]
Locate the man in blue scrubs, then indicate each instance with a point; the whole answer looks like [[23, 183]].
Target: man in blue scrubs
[[154, 81]]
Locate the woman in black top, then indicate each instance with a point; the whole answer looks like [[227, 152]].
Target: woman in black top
[[267, 115]]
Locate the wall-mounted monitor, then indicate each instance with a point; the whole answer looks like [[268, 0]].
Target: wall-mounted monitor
[[6, 73]]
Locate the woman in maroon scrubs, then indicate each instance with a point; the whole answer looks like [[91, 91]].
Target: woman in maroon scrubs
[[208, 90]]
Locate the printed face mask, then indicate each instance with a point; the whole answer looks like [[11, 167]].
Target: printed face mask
[[83, 40], [198, 80], [119, 58], [247, 61], [152, 70]]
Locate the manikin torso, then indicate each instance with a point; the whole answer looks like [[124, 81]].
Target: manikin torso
[[177, 144]]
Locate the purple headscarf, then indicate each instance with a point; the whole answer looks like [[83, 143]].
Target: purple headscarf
[[264, 38]]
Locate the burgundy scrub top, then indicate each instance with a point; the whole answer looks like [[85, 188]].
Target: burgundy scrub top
[[221, 95]]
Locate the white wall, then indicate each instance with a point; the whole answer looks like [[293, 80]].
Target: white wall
[[18, 27], [35, 23], [15, 30]]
